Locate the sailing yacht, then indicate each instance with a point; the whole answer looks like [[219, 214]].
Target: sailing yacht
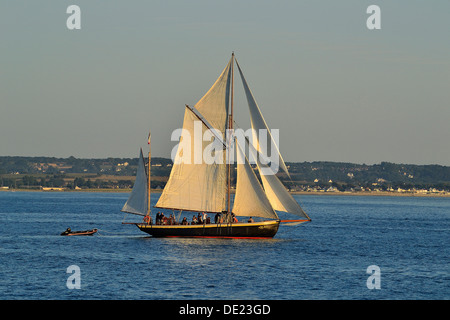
[[205, 186]]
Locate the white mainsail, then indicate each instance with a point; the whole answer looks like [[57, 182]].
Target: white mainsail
[[194, 186], [138, 201], [250, 199], [258, 122]]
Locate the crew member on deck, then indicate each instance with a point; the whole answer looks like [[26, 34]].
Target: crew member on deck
[[148, 219]]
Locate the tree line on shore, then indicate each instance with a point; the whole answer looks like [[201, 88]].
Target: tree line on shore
[[72, 173]]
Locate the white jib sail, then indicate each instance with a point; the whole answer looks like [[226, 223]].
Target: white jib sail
[[138, 201], [258, 122], [250, 199], [279, 197]]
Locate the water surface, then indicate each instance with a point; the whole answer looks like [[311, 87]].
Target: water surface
[[406, 237]]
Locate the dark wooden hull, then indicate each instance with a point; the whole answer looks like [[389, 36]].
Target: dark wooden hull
[[255, 230]]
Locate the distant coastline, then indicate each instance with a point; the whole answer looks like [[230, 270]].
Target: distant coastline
[[375, 193], [318, 177], [324, 193]]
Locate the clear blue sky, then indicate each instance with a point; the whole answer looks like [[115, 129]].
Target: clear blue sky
[[336, 90]]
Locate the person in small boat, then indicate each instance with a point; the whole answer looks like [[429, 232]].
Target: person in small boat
[[68, 230], [250, 220]]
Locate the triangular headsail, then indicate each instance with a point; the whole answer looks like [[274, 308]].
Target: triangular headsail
[[279, 197], [250, 199], [138, 201]]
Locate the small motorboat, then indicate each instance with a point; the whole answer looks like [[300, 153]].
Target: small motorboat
[[69, 232]]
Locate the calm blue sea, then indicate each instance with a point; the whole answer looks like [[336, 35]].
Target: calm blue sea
[[406, 237]]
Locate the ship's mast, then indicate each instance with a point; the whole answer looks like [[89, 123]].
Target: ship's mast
[[149, 165], [230, 138]]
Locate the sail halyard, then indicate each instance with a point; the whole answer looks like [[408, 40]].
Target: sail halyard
[[138, 201]]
